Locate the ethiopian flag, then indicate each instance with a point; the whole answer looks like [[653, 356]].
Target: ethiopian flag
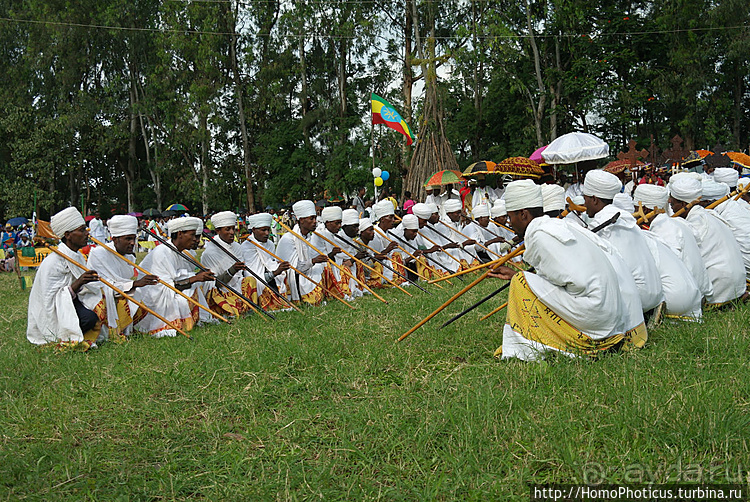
[[384, 113]]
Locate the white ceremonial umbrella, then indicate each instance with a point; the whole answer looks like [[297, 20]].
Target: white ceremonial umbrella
[[575, 147]]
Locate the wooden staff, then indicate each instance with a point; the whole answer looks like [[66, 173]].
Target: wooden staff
[[739, 194], [498, 309], [257, 277], [333, 262], [468, 270], [302, 274], [467, 238], [169, 286], [360, 262], [575, 207], [476, 281], [431, 269], [436, 244], [686, 209], [502, 226], [121, 293], [742, 192], [645, 218], [256, 308]]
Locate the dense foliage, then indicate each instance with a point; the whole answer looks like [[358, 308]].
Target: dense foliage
[[220, 104]]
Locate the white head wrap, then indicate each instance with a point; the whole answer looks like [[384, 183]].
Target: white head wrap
[[624, 202], [452, 205], [260, 220], [685, 174], [713, 190], [224, 219], [599, 183], [433, 208], [184, 224], [122, 224], [198, 225], [553, 197], [685, 188], [383, 208], [498, 209], [365, 223], [523, 194], [481, 210], [726, 175], [578, 200], [303, 209], [742, 183], [65, 221], [349, 217], [422, 210], [331, 213], [651, 196], [411, 222]]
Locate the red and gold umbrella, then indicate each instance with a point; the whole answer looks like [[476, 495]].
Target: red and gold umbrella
[[445, 177], [618, 166], [704, 153], [519, 166], [742, 159]]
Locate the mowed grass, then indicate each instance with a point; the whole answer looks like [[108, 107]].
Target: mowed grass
[[326, 406]]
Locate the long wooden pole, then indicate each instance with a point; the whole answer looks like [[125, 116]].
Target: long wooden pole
[[169, 286], [301, 273], [333, 262], [495, 311], [360, 262], [460, 293], [436, 244], [122, 293], [472, 269], [466, 237], [431, 269]]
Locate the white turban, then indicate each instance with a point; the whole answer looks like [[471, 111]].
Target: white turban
[[349, 217], [685, 188], [726, 175], [553, 197], [224, 219], [365, 223], [122, 224], [303, 209], [599, 183], [578, 200], [422, 210], [452, 205], [411, 222], [523, 194], [184, 224], [713, 190], [259, 220], [742, 183], [433, 208], [624, 202], [651, 196], [685, 174], [481, 210], [331, 213], [498, 209], [383, 208], [198, 225], [65, 221]]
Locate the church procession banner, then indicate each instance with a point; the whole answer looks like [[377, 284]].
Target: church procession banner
[[32, 257]]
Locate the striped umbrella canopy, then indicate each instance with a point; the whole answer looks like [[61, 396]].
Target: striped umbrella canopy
[[177, 207], [445, 177], [481, 167], [740, 158], [519, 166]]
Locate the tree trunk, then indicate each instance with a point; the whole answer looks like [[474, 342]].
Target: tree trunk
[[132, 155], [407, 89], [539, 112], [203, 161]]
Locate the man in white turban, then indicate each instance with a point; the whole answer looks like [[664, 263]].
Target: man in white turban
[[599, 189], [119, 313], [482, 195], [326, 239], [262, 262], [385, 247], [63, 296], [554, 200], [428, 216], [733, 212], [97, 229], [744, 199], [581, 300], [480, 231], [720, 251], [450, 227], [676, 233], [175, 269], [301, 256], [347, 238]]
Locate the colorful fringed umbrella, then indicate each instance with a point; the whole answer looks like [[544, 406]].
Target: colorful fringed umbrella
[[178, 208], [537, 155], [704, 153], [519, 166], [481, 167], [740, 158], [445, 177], [618, 166]]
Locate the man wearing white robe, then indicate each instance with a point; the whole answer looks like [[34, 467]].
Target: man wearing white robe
[[347, 234], [324, 238], [385, 248], [580, 300], [428, 214], [599, 189], [97, 228], [450, 227], [554, 200], [721, 253], [499, 216], [263, 263], [675, 233], [175, 269], [63, 295], [116, 271], [482, 194], [407, 231], [302, 257], [479, 230], [734, 213]]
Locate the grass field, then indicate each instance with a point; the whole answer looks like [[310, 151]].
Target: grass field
[[326, 406]]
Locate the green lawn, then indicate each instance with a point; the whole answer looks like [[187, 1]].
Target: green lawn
[[326, 406]]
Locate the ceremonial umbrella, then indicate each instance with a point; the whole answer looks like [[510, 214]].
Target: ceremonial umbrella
[[692, 159], [481, 167], [89, 218], [704, 153], [152, 213], [537, 155], [739, 158], [575, 147], [445, 177], [178, 208], [169, 213], [618, 166], [19, 220], [135, 214], [519, 166]]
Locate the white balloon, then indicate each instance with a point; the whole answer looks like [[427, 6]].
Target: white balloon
[[376, 172]]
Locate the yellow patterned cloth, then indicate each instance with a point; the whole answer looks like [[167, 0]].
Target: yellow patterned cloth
[[224, 302], [533, 320], [124, 319]]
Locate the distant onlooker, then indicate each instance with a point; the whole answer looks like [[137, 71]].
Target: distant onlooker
[[408, 203], [358, 202]]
